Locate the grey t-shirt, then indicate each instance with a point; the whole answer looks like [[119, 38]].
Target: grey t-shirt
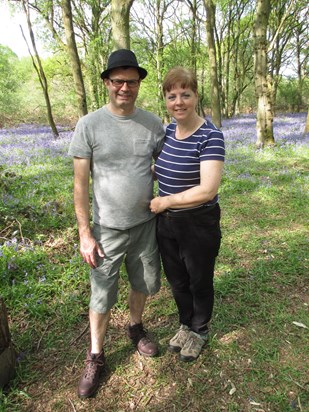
[[121, 149]]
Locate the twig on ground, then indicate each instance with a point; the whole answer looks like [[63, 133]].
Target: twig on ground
[[148, 400], [73, 366], [40, 340], [80, 335], [298, 384], [20, 231], [5, 229], [190, 373], [299, 405], [72, 404]]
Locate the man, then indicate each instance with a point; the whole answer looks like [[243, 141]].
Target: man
[[116, 144]]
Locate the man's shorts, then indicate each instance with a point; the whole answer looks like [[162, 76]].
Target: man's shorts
[[137, 247]]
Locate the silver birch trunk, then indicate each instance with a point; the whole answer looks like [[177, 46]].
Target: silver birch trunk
[[307, 124], [263, 89], [37, 64], [74, 57], [215, 93], [120, 18]]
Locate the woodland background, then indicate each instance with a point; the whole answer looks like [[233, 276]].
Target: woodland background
[[251, 59], [249, 56]]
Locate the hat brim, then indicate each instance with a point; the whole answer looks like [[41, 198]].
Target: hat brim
[[142, 72]]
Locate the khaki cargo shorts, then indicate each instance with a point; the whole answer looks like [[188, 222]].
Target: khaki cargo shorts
[[137, 248]]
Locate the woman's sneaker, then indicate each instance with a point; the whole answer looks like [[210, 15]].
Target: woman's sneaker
[[192, 347], [177, 342]]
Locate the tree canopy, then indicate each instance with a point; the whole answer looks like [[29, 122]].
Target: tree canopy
[[167, 33]]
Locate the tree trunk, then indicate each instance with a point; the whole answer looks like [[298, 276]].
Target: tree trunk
[[264, 123], [307, 124], [299, 72], [226, 56], [194, 43], [7, 351], [193, 8], [215, 94], [120, 18], [39, 69], [74, 57]]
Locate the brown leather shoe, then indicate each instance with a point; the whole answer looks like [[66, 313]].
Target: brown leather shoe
[[90, 378], [139, 337]]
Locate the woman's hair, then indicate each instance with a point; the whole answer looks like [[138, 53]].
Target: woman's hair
[[179, 75]]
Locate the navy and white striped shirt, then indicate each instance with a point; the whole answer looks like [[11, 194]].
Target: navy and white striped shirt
[[178, 165]]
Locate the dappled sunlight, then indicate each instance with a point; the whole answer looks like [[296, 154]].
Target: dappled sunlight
[[233, 336], [260, 284]]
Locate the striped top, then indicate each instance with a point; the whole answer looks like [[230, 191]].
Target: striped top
[[178, 165]]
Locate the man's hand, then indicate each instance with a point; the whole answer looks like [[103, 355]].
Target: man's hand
[[90, 249]]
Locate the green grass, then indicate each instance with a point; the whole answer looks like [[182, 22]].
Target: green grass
[[257, 358]]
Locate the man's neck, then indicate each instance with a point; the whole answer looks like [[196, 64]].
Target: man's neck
[[120, 111]]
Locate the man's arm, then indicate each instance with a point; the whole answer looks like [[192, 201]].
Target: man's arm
[[88, 245]]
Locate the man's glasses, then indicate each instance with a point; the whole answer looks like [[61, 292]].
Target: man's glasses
[[120, 82]]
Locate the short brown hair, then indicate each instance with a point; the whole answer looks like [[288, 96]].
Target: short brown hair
[[179, 75]]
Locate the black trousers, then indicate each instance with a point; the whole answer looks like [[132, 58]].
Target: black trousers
[[189, 242]]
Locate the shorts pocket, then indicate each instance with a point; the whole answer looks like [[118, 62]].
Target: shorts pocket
[[104, 266]]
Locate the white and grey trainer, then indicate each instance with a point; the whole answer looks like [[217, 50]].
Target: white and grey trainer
[[192, 347], [177, 342]]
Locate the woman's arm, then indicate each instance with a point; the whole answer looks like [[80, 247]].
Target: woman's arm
[[211, 174]]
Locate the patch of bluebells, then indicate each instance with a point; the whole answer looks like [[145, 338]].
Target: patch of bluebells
[[241, 153], [13, 243], [26, 144], [288, 130], [240, 138]]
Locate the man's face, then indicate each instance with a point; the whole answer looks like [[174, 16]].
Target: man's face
[[123, 95]]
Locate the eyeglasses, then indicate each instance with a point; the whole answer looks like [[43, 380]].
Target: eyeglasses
[[120, 82]]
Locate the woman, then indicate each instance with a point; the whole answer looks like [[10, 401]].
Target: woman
[[189, 171]]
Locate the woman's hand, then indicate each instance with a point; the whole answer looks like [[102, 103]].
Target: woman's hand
[[158, 204]]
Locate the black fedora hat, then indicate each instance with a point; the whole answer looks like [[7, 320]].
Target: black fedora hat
[[122, 58]]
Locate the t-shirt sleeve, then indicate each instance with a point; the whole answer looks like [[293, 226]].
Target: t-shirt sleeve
[[213, 148], [159, 136], [80, 145]]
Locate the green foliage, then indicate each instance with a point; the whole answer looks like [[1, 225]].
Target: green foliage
[[9, 82], [290, 95], [21, 96], [58, 71], [158, 31]]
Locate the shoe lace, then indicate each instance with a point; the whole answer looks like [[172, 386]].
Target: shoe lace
[[194, 341], [181, 334], [92, 365]]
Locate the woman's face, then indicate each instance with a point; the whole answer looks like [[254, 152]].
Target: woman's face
[[181, 103]]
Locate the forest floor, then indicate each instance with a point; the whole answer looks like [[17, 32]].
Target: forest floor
[[257, 358]]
